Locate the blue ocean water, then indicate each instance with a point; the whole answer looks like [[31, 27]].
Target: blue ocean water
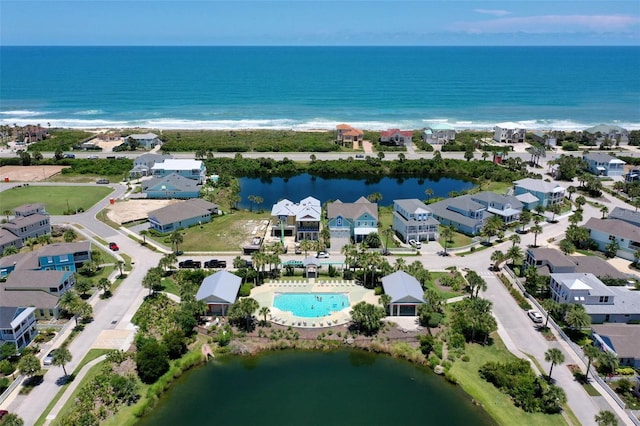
[[318, 87]]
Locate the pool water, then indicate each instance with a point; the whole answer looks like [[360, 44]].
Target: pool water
[[311, 305]]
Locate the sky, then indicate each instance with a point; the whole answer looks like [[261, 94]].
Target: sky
[[326, 23]]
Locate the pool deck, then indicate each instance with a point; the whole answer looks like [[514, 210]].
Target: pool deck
[[264, 295]]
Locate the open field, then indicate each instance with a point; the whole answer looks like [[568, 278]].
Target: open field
[[496, 403], [57, 199], [29, 173], [224, 233], [132, 210]]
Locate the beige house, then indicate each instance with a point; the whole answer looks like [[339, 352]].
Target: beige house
[[349, 136]]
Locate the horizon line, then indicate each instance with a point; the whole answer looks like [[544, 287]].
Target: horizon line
[[320, 45]]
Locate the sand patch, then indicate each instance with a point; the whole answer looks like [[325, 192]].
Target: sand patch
[[132, 210], [107, 146], [29, 173]]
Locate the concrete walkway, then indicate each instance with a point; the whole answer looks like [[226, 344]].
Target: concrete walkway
[[71, 388]]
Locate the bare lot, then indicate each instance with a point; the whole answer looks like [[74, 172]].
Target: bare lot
[[29, 173], [132, 210]]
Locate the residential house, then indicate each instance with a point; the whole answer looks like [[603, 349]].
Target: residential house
[[146, 140], [8, 239], [508, 133], [412, 220], [406, 293], [463, 213], [606, 231], [631, 176], [171, 186], [110, 137], [25, 227], [601, 164], [301, 220], [17, 325], [64, 256], [29, 134], [143, 164], [551, 261], [507, 207], [182, 215], [620, 339], [603, 132], [191, 169], [396, 137], [626, 215], [352, 220], [8, 263], [544, 138], [219, 291], [602, 303], [547, 193], [311, 266], [41, 289], [30, 209], [439, 134], [349, 136]]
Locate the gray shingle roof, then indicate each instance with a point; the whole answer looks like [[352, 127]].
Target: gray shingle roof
[[64, 248], [352, 210], [626, 215], [626, 302], [25, 208], [412, 205], [23, 278], [538, 185], [38, 298], [582, 281], [11, 260], [402, 288], [624, 338], [600, 157], [7, 314], [441, 210], [552, 256], [20, 221], [614, 227], [177, 181], [9, 238], [222, 285], [178, 212]]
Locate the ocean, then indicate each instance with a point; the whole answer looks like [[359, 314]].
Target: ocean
[[303, 88]]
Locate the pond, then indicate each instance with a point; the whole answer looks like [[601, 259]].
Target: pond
[[347, 190], [347, 387]]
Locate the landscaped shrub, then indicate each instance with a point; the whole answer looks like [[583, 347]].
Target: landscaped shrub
[[378, 291], [625, 371], [245, 289], [152, 361], [6, 367], [522, 301]]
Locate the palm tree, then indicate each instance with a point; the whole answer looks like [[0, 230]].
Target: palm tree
[[536, 229], [497, 257], [591, 352], [515, 239], [571, 190], [384, 301], [176, 239], [515, 254], [264, 311], [144, 234], [386, 233], [31, 242], [374, 197], [525, 218], [581, 201], [61, 357], [429, 193], [549, 305], [606, 418], [120, 264], [401, 264], [608, 362], [554, 356], [576, 317], [104, 284], [604, 210], [447, 234], [554, 209]]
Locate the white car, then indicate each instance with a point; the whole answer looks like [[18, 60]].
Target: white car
[[535, 316], [416, 244], [322, 255], [92, 157], [48, 360]]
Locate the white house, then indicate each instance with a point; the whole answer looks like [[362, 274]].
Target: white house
[[508, 133], [439, 133], [148, 140], [301, 220], [605, 231], [191, 169], [601, 164], [413, 220]]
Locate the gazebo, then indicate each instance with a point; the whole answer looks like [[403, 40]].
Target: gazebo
[[219, 291], [311, 266], [406, 293]]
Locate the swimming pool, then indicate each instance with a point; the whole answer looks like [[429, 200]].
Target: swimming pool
[[311, 305]]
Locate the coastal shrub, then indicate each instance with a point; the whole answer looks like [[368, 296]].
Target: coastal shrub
[[152, 361], [378, 291], [465, 358], [6, 367], [434, 361], [62, 139], [245, 289], [625, 371]]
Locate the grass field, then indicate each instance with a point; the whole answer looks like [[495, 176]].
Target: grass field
[[223, 233], [88, 178], [496, 403], [57, 199], [459, 240]]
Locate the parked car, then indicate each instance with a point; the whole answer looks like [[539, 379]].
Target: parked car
[[415, 243], [535, 316], [92, 157], [443, 253], [215, 263], [69, 156], [190, 264], [48, 360], [113, 246], [322, 255], [102, 181], [359, 155]]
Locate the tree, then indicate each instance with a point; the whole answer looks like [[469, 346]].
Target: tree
[[10, 250], [536, 229], [475, 283], [515, 239], [29, 365], [152, 361], [374, 197], [242, 311], [69, 235], [264, 311], [58, 155], [497, 257], [384, 301], [468, 155], [120, 264], [549, 305], [429, 193], [68, 300], [604, 210], [144, 234], [576, 317], [153, 280], [515, 254], [61, 357], [7, 350], [11, 419], [581, 201], [608, 362], [554, 209], [367, 317], [174, 342], [176, 239], [525, 218], [567, 247], [83, 285], [554, 356], [591, 352], [372, 240], [606, 418], [105, 285], [571, 190], [612, 248], [447, 234]]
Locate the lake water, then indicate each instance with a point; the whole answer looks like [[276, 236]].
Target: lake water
[[314, 388], [301, 186]]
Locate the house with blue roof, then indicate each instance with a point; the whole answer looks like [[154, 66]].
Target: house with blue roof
[[219, 291], [405, 292], [171, 186]]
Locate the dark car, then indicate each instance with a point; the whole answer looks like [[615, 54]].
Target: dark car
[[114, 246], [215, 263], [69, 156], [443, 253], [190, 264], [102, 181], [359, 155]]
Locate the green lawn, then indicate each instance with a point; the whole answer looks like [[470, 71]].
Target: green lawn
[[447, 294], [223, 233], [496, 403], [57, 199], [170, 286], [83, 178], [459, 240]]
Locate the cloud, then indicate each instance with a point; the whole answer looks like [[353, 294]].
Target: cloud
[[551, 24], [495, 12]]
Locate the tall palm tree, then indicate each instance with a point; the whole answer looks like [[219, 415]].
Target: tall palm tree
[[604, 210], [497, 257], [176, 239], [429, 193], [515, 254], [554, 356], [606, 418], [525, 218], [386, 233], [576, 317], [536, 229], [549, 305], [591, 352], [61, 357], [515, 239], [608, 362], [447, 234]]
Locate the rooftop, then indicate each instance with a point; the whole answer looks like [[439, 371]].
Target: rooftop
[[180, 211], [352, 210], [178, 164], [614, 227], [538, 185], [222, 286], [583, 281], [626, 215], [623, 339], [64, 248], [403, 288], [601, 157]]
